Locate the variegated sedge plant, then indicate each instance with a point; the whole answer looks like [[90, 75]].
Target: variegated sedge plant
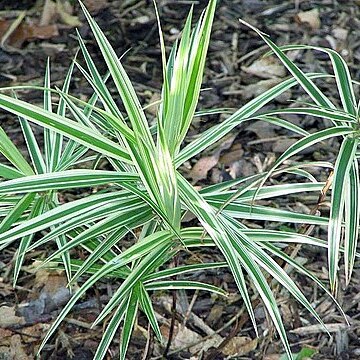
[[145, 190], [343, 121]]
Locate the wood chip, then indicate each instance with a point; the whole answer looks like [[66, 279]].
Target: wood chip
[[317, 328], [310, 18]]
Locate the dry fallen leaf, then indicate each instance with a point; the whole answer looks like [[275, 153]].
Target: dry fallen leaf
[[184, 336], [34, 332], [235, 154], [253, 90], [265, 68], [5, 336], [8, 317], [49, 13], [54, 11], [272, 357], [282, 144], [215, 314], [153, 106], [262, 129], [27, 32], [64, 9], [227, 142], [203, 166], [311, 18], [94, 6], [49, 281], [239, 346], [241, 168], [17, 350]]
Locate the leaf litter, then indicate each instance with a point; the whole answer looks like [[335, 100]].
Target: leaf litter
[[43, 28]]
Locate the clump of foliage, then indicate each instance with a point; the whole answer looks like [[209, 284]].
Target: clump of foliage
[[144, 189]]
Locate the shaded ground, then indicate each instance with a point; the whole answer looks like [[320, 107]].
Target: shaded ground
[[234, 75]]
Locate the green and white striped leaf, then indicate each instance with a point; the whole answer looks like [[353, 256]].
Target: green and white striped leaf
[[342, 76], [183, 285], [33, 147], [184, 269], [304, 143], [64, 180], [16, 212], [147, 308], [147, 264], [129, 319], [343, 165], [110, 331], [9, 172], [330, 114], [58, 215], [352, 219], [64, 126], [304, 80], [245, 113], [36, 209], [122, 218], [10, 151], [124, 258]]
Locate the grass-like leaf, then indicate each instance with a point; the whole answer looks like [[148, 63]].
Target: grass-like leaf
[[343, 165], [143, 190]]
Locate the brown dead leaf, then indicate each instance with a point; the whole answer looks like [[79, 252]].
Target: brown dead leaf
[[65, 10], [33, 333], [262, 129], [218, 176], [272, 357], [59, 10], [265, 68], [253, 90], [184, 336], [215, 314], [153, 106], [241, 168], [8, 317], [143, 19], [203, 166], [227, 141], [48, 14], [310, 18], [5, 337], [5, 288], [27, 32], [239, 346], [235, 154], [49, 281], [94, 6], [283, 144], [17, 350]]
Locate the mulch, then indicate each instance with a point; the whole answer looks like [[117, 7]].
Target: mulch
[[235, 73]]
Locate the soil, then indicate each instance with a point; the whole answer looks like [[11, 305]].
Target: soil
[[233, 76]]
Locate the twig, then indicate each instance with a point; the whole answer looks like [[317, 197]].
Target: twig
[[149, 344], [12, 28], [224, 327], [213, 355], [188, 311], [307, 229]]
